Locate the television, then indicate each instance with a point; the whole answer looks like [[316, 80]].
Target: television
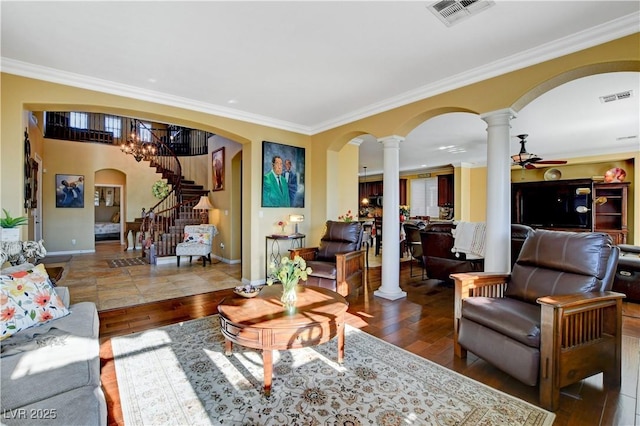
[[557, 204]]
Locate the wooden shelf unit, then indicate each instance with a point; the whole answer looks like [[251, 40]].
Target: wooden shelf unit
[[611, 217]]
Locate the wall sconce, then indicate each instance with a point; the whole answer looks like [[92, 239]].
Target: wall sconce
[[205, 205], [296, 218]]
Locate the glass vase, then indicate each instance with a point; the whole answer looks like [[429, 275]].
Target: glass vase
[[289, 297]]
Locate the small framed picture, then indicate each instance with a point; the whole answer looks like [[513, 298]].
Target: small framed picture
[[217, 165], [70, 191]]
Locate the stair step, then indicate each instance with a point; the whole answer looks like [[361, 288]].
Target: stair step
[[190, 193], [192, 187]]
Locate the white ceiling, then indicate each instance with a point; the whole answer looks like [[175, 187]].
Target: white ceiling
[[308, 66]]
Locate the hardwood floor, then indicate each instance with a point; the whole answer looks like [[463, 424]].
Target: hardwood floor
[[423, 324]]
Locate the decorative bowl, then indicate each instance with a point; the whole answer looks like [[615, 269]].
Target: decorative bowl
[[247, 291], [552, 174]]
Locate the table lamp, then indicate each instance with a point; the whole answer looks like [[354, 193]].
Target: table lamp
[[204, 205], [296, 218]]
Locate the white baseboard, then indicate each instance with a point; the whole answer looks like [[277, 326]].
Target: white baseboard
[[51, 253]]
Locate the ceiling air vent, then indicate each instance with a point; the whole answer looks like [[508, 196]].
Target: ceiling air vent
[[453, 11], [616, 96]]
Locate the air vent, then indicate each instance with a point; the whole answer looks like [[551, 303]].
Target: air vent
[[453, 11], [616, 96]]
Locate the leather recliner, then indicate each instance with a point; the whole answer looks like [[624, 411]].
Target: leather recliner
[[552, 321], [338, 262], [440, 262]]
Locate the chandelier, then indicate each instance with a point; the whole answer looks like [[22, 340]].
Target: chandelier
[[137, 147]]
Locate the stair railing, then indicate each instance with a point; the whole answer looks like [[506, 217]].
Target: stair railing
[[161, 226], [162, 216]]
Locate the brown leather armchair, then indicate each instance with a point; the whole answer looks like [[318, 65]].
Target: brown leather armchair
[[552, 321], [440, 262], [338, 262], [437, 242]]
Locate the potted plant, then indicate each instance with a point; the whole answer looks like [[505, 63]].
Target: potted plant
[[9, 231]]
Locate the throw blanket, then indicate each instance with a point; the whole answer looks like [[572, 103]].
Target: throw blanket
[[469, 239], [17, 252]]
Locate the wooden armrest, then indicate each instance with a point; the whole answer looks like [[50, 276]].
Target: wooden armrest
[[472, 284], [580, 335], [349, 267], [350, 254], [568, 301], [307, 253]]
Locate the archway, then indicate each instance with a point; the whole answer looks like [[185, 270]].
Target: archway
[[109, 203]]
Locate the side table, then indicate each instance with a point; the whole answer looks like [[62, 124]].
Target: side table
[[297, 241]]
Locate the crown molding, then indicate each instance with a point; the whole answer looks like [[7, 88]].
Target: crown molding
[[600, 34], [25, 69]]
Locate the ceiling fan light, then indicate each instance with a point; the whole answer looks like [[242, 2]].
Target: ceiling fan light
[[524, 157]]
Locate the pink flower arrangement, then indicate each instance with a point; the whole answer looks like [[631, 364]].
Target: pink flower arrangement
[[346, 217]]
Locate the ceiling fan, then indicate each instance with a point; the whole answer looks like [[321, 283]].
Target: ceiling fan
[[527, 160]]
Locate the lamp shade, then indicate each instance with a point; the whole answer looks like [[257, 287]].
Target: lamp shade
[[203, 204], [296, 218]]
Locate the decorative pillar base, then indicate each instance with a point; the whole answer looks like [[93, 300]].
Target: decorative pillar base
[[390, 296]]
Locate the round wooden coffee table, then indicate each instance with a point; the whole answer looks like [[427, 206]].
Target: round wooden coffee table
[[261, 322]]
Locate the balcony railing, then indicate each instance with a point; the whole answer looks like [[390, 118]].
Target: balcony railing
[[113, 130]]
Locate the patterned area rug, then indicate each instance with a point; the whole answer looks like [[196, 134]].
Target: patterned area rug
[[129, 261], [179, 375]]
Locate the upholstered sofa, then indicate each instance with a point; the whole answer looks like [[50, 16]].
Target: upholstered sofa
[[50, 373], [439, 260], [338, 262]]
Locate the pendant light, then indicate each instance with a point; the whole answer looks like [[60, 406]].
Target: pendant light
[[365, 200]]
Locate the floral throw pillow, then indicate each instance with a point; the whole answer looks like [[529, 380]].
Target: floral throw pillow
[[27, 299], [200, 238]]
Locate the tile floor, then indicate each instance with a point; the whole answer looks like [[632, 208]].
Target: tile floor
[[90, 278]]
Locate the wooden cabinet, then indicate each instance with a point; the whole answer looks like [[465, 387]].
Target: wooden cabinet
[[445, 191], [375, 190], [610, 210], [578, 205]]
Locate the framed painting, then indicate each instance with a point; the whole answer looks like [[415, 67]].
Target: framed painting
[[282, 175], [217, 166], [70, 191]]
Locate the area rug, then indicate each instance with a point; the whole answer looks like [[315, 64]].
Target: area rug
[[179, 375], [129, 261]]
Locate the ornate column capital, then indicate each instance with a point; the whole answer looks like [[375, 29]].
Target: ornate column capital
[[498, 117]]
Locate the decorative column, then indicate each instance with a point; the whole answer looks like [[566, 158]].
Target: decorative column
[[498, 238], [390, 274]]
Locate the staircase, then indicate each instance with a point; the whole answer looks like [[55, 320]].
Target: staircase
[[164, 223]]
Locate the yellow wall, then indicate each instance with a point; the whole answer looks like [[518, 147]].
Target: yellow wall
[[323, 150], [61, 225], [226, 215]]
